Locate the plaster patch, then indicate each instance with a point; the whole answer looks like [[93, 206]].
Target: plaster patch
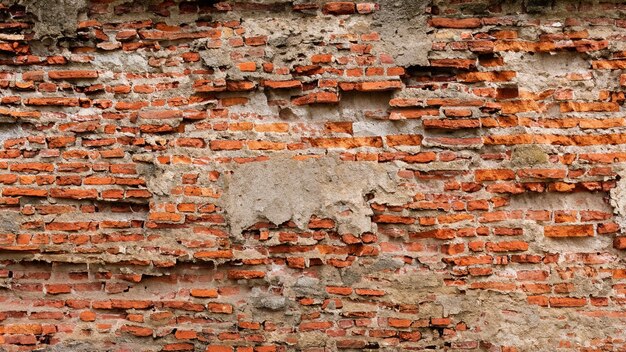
[[280, 190]]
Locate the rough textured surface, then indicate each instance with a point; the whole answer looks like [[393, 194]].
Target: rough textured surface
[[282, 190], [312, 176]]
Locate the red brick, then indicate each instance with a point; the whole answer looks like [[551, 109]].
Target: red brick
[[317, 98], [137, 330], [225, 145], [393, 219], [565, 302], [321, 58], [35, 329], [619, 242], [88, 316], [542, 173], [220, 308], [204, 293], [347, 143], [59, 101], [73, 193], [218, 348], [182, 346], [569, 231], [248, 66], [23, 191], [76, 74], [494, 175], [245, 274], [339, 8], [507, 246], [223, 254], [315, 325], [343, 291], [379, 86], [32, 167], [288, 84], [404, 140], [166, 217], [442, 22]]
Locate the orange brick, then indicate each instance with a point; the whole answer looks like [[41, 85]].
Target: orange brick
[[565, 302], [249, 66], [225, 145], [76, 74], [245, 274], [339, 8], [569, 231], [442, 22], [87, 316], [218, 348], [204, 293]]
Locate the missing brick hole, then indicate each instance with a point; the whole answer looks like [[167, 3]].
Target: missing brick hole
[[122, 207], [429, 73], [538, 6], [430, 78], [355, 104], [10, 130], [617, 200], [372, 345]]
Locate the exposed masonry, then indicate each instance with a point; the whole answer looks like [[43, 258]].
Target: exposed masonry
[[312, 176]]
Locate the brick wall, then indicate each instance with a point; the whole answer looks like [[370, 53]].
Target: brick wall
[[312, 176]]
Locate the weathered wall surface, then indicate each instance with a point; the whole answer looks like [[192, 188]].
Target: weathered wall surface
[[312, 176]]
